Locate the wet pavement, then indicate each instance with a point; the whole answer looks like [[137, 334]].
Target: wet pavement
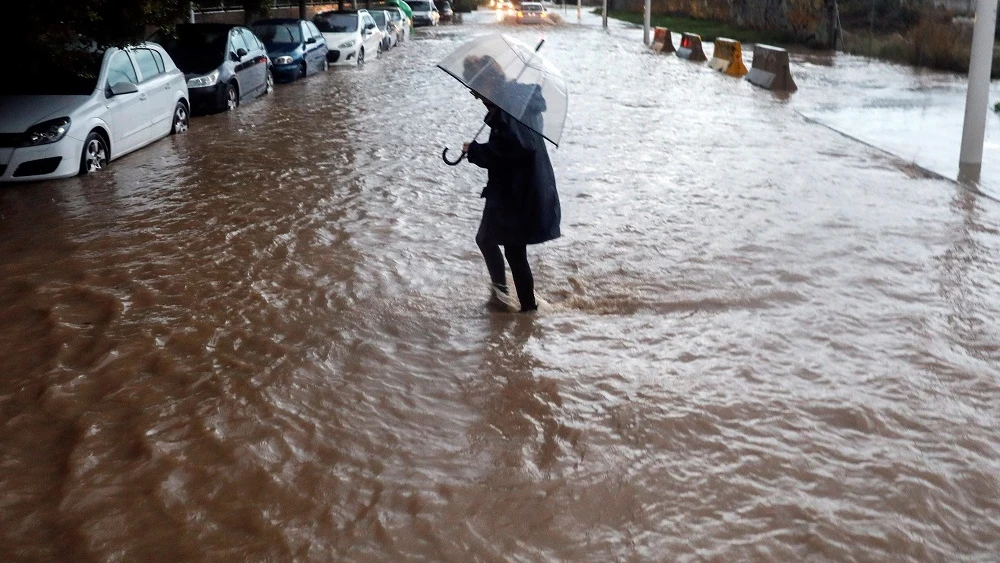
[[269, 339]]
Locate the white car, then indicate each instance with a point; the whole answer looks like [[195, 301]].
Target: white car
[[532, 12], [402, 22], [351, 36], [60, 124], [424, 12]]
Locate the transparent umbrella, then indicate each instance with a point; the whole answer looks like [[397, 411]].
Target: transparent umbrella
[[515, 78]]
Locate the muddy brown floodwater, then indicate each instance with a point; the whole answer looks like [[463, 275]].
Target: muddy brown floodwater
[[268, 339]]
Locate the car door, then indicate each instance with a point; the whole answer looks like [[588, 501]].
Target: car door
[[239, 53], [311, 47], [258, 55], [159, 88], [127, 113], [370, 33], [321, 47]]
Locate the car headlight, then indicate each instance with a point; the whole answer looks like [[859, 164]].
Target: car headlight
[[347, 44], [283, 60], [46, 132], [202, 81]]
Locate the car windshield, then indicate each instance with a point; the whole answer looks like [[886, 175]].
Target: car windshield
[[75, 75], [379, 18], [420, 6], [529, 7], [394, 15], [278, 33], [195, 48], [337, 23]]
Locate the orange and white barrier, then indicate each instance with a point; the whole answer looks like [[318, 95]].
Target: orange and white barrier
[[690, 48], [663, 42], [728, 57], [770, 69]]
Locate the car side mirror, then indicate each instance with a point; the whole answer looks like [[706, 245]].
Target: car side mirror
[[311, 40], [234, 57], [241, 52], [123, 88]]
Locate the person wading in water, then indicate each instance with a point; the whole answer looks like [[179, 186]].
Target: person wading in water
[[522, 204]]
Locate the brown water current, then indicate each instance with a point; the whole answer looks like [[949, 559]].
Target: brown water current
[[269, 339]]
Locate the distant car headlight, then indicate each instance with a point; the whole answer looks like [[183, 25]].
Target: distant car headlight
[[46, 132], [286, 60], [347, 44], [203, 81]]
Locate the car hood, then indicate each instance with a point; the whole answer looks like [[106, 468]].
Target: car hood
[[283, 51], [18, 113], [335, 39]]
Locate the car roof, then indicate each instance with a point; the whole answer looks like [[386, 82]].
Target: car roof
[[271, 21], [341, 12], [210, 25]]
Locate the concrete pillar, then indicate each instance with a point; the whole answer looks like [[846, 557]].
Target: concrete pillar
[[970, 160]]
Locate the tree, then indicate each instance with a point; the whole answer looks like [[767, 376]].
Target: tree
[[39, 30]]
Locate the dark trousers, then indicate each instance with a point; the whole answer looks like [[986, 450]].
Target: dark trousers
[[517, 257]]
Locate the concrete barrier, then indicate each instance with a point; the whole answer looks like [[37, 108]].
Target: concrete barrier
[[771, 69], [690, 48], [728, 57], [663, 42]]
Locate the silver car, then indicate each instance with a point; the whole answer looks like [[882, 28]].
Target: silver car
[[62, 123]]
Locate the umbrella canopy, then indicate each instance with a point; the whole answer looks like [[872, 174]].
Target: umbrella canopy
[[514, 77]]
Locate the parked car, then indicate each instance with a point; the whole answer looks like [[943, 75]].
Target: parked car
[[531, 13], [424, 12], [56, 122], [446, 12], [350, 34], [386, 28], [225, 64], [401, 22], [296, 47]]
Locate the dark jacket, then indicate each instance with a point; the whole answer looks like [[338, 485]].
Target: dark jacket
[[522, 204]]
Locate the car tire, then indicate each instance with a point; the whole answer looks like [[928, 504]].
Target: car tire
[[269, 82], [232, 97], [303, 70], [325, 66], [361, 56], [181, 120], [95, 154], [378, 52]]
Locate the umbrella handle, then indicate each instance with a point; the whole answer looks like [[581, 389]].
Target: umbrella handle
[[444, 156]]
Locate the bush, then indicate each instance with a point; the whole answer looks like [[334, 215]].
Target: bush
[[878, 16]]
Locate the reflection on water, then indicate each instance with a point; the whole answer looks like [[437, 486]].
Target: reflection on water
[[269, 339]]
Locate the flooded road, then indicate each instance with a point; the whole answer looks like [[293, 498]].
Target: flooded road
[[268, 340]]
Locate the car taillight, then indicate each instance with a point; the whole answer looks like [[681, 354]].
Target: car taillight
[[520, 14]]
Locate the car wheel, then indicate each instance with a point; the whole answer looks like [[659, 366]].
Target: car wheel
[[303, 70], [269, 82], [232, 97], [95, 154], [378, 52], [361, 56], [181, 119], [325, 66]]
